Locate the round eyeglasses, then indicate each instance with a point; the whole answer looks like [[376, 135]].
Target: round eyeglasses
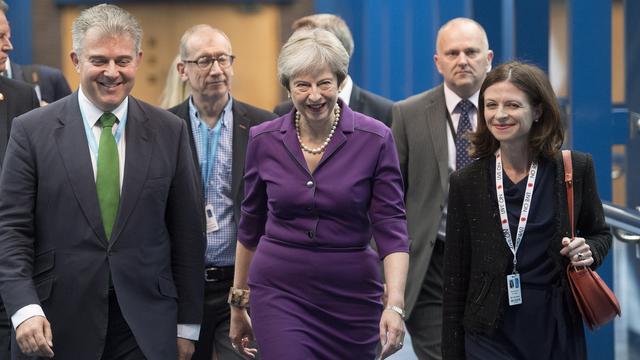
[[205, 62]]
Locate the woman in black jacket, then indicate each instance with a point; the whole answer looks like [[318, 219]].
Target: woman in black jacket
[[506, 294]]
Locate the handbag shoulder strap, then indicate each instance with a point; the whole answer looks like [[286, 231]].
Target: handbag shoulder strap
[[568, 181]]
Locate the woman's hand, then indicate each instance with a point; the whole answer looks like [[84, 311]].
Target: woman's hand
[[391, 333], [578, 251], [241, 332]]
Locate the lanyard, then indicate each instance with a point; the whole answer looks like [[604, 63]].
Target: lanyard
[[210, 147], [524, 213]]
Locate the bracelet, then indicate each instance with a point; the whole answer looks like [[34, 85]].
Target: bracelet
[[238, 297], [398, 310]]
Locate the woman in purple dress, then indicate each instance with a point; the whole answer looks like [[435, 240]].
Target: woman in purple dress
[[320, 182]]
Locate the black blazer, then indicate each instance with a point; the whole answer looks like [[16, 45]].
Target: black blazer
[[244, 117], [53, 248], [53, 85], [17, 99], [477, 258], [361, 101]]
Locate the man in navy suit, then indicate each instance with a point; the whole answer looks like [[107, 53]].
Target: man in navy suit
[[357, 98], [78, 275], [49, 82]]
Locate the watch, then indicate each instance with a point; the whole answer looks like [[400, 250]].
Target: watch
[[398, 310], [238, 297]]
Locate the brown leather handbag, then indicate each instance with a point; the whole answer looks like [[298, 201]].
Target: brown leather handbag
[[596, 302]]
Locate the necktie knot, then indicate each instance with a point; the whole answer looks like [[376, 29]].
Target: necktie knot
[[107, 120], [465, 105]]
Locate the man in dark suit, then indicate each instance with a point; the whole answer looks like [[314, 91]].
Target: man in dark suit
[[16, 98], [355, 97], [429, 132], [219, 130], [101, 230], [49, 82]]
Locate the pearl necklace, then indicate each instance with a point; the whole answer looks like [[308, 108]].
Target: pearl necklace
[[319, 149]]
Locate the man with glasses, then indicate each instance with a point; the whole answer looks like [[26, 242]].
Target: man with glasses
[[219, 128]]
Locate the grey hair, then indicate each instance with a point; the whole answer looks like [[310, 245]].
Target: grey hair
[[184, 40], [108, 20], [4, 7], [308, 51], [332, 23]]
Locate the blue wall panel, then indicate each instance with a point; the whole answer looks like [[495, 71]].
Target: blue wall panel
[[590, 114], [19, 17], [632, 46]]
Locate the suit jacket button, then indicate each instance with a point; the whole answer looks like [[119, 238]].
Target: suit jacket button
[[309, 184], [310, 234]]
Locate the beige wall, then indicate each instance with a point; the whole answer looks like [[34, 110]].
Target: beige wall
[[558, 49], [254, 34]]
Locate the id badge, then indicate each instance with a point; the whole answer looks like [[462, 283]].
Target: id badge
[[212, 222], [514, 290]]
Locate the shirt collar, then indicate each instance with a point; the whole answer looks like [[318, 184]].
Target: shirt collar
[[91, 114], [452, 99], [8, 69], [195, 116], [347, 87]]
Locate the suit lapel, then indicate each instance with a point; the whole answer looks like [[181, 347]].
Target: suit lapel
[[139, 148], [436, 119], [241, 124], [72, 144], [290, 141], [345, 125], [183, 112]]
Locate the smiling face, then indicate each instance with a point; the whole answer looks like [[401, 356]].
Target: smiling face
[[315, 95], [508, 113], [463, 57], [214, 82], [107, 65]]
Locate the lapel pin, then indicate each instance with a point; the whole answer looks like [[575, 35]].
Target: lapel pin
[[1, 96]]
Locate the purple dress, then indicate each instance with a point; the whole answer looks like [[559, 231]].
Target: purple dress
[[315, 281]]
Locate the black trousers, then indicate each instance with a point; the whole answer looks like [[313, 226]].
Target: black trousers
[[5, 333], [214, 330], [120, 343], [425, 323]]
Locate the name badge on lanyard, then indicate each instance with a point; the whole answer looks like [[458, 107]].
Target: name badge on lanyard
[[513, 280]]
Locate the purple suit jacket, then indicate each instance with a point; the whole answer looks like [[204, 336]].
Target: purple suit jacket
[[354, 193]]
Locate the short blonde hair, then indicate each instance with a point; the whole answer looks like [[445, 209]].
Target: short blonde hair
[[310, 50]]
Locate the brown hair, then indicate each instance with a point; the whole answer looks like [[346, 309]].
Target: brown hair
[[546, 134]]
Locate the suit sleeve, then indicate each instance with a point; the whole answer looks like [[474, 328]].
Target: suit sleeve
[[17, 205], [400, 137], [253, 214], [456, 274], [186, 227], [387, 212], [591, 222]]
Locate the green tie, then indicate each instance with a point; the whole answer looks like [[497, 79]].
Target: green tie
[[108, 176]]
